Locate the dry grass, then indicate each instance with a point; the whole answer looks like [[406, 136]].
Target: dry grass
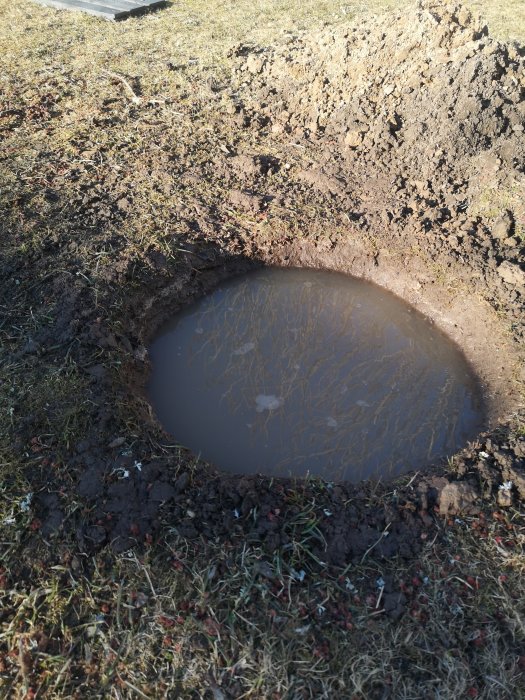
[[506, 21], [191, 620], [187, 620]]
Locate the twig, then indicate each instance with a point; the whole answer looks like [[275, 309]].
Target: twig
[[383, 534], [412, 479], [146, 574], [133, 96], [381, 591], [133, 687]]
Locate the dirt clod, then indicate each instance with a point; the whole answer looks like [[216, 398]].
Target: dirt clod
[[457, 498], [512, 274], [502, 226]]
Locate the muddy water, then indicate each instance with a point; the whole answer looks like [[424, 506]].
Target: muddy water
[[289, 372]]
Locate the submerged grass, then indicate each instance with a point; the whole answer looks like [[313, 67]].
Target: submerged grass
[[190, 619]]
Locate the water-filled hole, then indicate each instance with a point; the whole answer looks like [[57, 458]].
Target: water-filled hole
[[289, 372]]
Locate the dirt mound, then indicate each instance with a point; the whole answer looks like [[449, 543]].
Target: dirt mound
[[422, 111]]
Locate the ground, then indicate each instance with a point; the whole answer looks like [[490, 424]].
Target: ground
[[140, 163]]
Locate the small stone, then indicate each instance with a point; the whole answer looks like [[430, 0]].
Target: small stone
[[117, 442], [353, 138], [504, 498], [123, 204]]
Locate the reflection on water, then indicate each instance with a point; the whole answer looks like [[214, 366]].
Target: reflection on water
[[289, 372]]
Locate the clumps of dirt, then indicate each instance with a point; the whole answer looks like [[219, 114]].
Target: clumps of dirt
[[421, 115], [132, 490]]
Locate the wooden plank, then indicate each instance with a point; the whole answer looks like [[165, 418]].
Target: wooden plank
[[109, 9]]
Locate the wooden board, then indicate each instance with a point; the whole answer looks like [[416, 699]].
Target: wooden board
[[109, 9]]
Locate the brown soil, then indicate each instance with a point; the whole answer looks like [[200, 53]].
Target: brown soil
[[368, 150]]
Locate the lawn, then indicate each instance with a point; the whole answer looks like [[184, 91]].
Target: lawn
[[105, 130]]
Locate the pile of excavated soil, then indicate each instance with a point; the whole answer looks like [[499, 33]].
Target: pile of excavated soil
[[421, 116]]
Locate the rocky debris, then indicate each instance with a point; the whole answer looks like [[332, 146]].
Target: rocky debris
[[458, 497], [512, 274], [422, 88], [413, 119], [502, 228]]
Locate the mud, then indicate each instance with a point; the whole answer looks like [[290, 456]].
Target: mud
[[376, 150]]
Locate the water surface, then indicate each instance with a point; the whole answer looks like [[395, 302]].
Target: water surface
[[287, 372]]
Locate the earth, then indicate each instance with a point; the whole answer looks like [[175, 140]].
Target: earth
[[394, 151]]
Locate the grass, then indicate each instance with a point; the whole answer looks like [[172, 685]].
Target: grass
[[491, 202], [188, 619], [506, 22]]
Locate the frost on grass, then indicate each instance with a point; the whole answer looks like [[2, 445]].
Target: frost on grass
[[25, 503]]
